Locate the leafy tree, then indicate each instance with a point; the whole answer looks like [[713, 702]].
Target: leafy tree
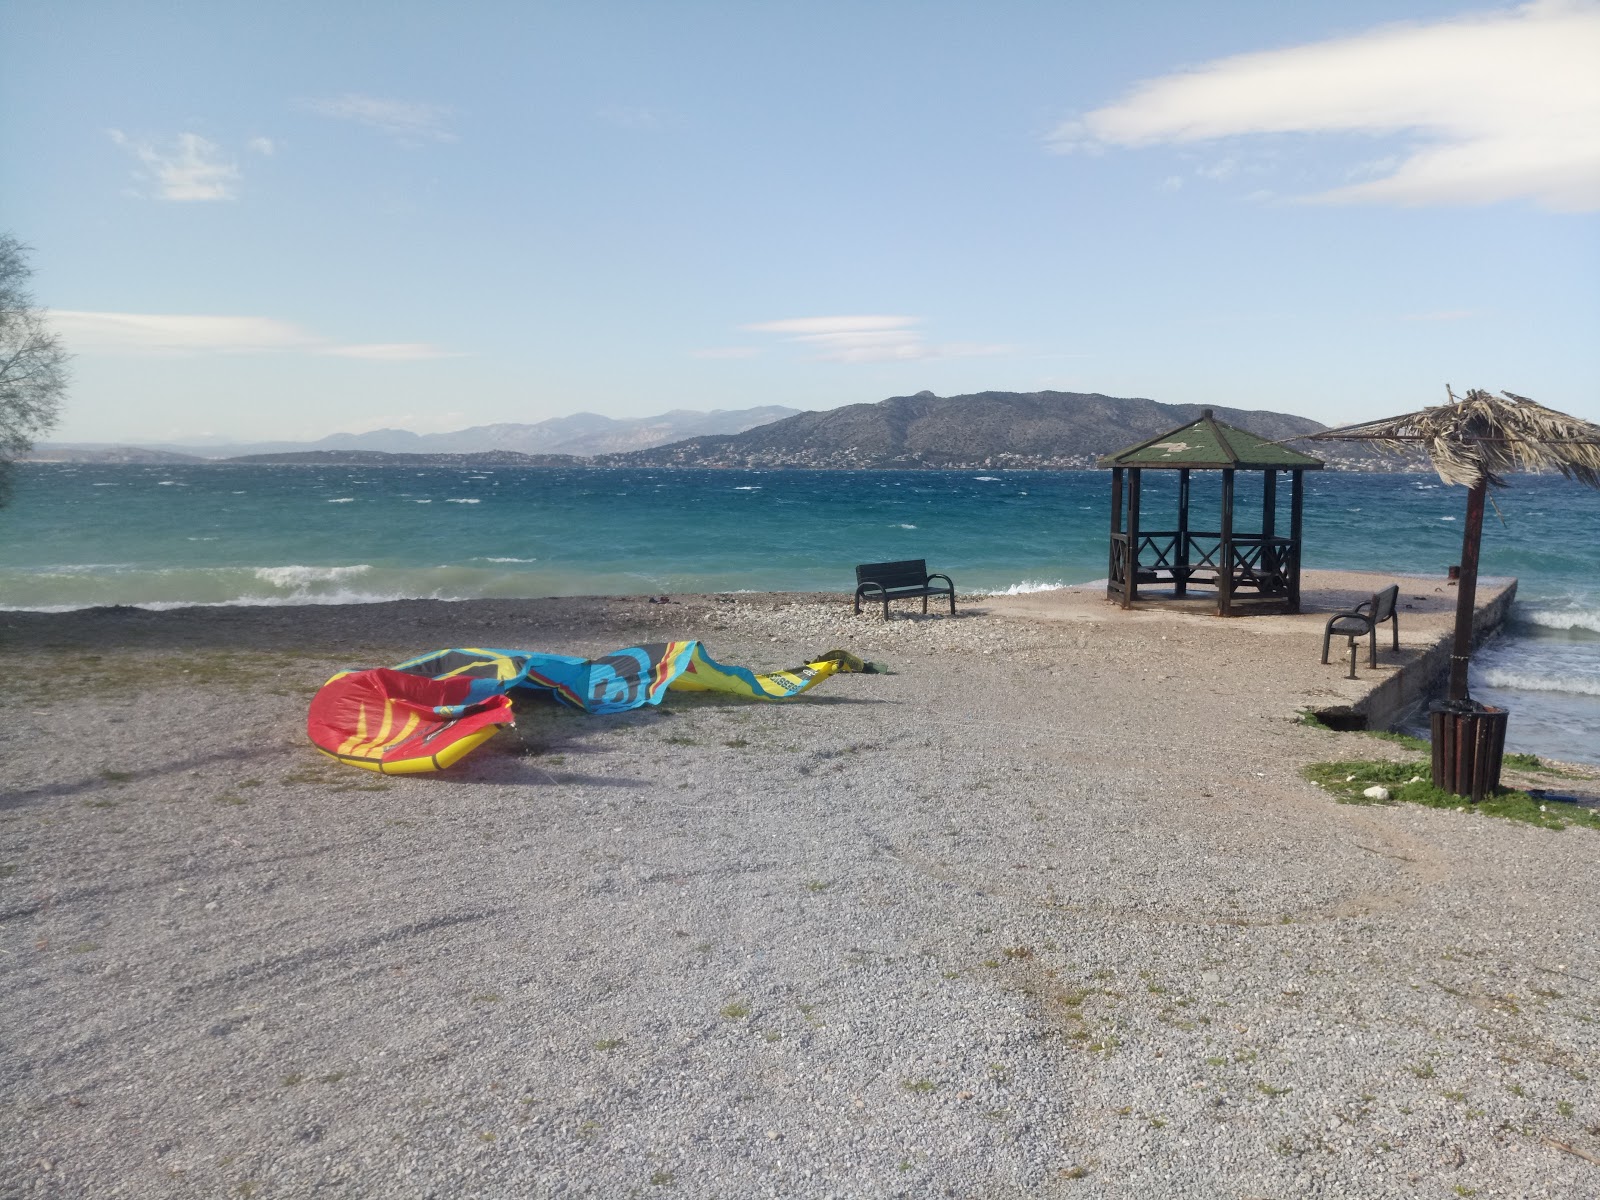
[[33, 366]]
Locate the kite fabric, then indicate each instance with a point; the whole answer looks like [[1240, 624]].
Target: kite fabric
[[427, 712]]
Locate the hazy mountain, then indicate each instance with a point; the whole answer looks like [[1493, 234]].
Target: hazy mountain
[[68, 452], [580, 433], [987, 429]]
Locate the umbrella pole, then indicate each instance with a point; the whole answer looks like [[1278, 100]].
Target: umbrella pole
[[1467, 591]]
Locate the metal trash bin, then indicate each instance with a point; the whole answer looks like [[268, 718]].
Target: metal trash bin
[[1469, 744]]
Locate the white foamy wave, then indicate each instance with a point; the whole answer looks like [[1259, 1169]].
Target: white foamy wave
[[296, 578], [521, 560], [987, 478], [747, 488], [903, 525], [459, 500], [1550, 618], [422, 502], [1522, 681], [343, 500], [1027, 586]]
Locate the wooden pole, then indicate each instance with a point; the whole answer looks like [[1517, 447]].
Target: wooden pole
[[1467, 591], [1296, 523], [1131, 592], [1180, 556], [1225, 551], [1116, 528]]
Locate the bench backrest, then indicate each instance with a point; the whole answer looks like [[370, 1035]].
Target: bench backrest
[[911, 572], [1383, 603]]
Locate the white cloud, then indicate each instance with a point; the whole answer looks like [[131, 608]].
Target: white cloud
[[407, 121], [867, 339], [181, 334], [190, 168], [263, 146], [1508, 105]]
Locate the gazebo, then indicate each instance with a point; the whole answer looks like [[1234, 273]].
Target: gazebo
[[1261, 563]]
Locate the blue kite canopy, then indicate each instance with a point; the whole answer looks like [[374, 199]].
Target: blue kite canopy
[[616, 682]]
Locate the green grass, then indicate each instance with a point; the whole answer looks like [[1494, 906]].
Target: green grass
[[1347, 780]]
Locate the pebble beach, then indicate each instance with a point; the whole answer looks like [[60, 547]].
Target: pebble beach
[[1046, 910]]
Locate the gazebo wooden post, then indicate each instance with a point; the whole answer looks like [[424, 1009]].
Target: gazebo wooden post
[[1296, 519], [1116, 528], [1225, 551], [1180, 575], [1269, 521], [1131, 592]]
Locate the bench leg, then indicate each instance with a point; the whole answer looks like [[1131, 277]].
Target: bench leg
[[952, 603], [886, 608], [1352, 674], [1372, 648], [1327, 636], [1394, 628], [924, 606]]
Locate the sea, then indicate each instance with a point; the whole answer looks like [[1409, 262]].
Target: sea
[[81, 535]]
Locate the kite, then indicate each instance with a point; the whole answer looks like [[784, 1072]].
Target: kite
[[429, 711]]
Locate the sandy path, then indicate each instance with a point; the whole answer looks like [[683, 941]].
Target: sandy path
[[1048, 910]]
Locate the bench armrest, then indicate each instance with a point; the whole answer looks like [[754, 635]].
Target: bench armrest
[[944, 577], [869, 589]]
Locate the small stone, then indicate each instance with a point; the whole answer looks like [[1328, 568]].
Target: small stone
[[211, 906], [1376, 792], [772, 1134]]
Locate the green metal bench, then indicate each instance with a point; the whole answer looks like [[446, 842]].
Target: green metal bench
[[904, 580]]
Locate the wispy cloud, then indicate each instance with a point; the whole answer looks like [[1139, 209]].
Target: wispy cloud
[[186, 169], [857, 339], [178, 334], [264, 146], [406, 121], [1508, 102]]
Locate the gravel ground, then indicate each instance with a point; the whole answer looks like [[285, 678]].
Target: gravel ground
[[1046, 911]]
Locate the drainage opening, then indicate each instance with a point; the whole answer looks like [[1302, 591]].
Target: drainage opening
[[1344, 720]]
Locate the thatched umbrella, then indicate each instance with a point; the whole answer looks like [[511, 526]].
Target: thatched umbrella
[[1476, 441]]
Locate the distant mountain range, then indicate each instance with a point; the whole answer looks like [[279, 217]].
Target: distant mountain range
[[985, 429], [581, 434], [989, 430]]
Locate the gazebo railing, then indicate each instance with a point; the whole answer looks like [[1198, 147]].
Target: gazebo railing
[[1259, 560]]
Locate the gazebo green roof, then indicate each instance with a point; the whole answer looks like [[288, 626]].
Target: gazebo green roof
[[1208, 444]]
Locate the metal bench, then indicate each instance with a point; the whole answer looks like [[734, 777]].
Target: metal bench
[[905, 580], [1363, 621]]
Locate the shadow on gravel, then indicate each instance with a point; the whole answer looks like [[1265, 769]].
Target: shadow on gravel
[[112, 779]]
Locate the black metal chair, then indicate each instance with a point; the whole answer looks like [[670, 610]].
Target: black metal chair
[[1363, 621]]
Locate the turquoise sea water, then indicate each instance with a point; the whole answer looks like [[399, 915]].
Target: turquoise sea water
[[80, 535]]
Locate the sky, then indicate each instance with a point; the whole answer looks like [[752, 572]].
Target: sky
[[262, 221]]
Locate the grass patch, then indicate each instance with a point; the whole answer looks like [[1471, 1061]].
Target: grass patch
[[1347, 780], [920, 1086], [738, 1010]]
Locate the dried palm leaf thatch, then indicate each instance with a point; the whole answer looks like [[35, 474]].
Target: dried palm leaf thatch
[[1483, 437]]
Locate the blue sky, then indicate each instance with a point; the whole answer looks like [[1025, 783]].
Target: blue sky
[[285, 220]]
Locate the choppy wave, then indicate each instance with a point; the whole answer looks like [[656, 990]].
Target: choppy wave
[[1525, 681], [297, 577], [1027, 586], [1567, 619]]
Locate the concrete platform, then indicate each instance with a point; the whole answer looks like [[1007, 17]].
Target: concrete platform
[[1376, 698]]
